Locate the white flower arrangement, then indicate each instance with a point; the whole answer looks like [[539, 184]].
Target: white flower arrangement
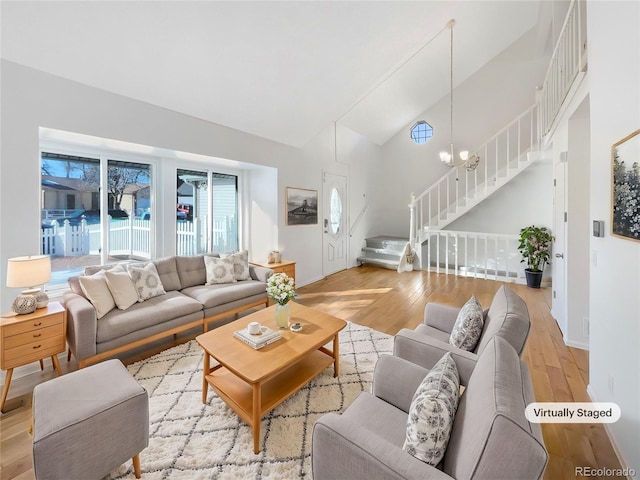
[[280, 288]]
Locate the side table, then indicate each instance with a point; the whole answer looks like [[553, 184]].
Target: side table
[[281, 267], [28, 338]]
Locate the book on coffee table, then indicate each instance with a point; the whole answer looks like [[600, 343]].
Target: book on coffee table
[[262, 339]]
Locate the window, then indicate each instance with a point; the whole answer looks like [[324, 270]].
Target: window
[[77, 230], [421, 132], [206, 212]]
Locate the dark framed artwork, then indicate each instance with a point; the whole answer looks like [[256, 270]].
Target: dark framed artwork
[[302, 206], [625, 211]]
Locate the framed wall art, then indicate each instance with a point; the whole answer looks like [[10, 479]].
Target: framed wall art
[[625, 211], [302, 206]]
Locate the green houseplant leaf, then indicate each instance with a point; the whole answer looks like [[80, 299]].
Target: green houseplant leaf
[[535, 247]]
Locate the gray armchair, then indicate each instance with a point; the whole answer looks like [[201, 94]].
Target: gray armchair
[[491, 437], [508, 317]]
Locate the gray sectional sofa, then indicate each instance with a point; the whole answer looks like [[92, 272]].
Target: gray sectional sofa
[[187, 303]]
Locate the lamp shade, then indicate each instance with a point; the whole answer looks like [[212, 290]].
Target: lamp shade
[[29, 271]]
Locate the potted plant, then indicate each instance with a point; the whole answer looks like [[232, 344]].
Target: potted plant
[[280, 288], [535, 247]]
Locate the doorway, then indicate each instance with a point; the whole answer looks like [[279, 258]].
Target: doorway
[[334, 237]]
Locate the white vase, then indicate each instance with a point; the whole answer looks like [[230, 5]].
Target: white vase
[[282, 315]]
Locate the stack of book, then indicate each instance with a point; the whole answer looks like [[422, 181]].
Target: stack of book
[[262, 339]]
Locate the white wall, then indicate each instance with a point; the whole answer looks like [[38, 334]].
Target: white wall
[[33, 99], [525, 200], [483, 105], [614, 345]]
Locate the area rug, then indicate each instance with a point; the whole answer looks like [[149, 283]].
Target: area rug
[[191, 440]]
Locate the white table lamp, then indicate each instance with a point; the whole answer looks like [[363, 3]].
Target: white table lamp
[[28, 272]]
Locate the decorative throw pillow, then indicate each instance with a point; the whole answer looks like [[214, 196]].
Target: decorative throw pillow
[[146, 281], [95, 289], [122, 289], [219, 270], [468, 327], [432, 411], [240, 265]]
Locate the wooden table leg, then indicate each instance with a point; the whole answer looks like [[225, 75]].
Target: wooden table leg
[[136, 465], [56, 364], [5, 389], [206, 370], [256, 417], [41, 365], [336, 355]]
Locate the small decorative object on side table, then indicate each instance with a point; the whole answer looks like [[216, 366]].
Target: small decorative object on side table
[[280, 288], [31, 337]]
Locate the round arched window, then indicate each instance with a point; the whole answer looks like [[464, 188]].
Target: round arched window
[[335, 215]]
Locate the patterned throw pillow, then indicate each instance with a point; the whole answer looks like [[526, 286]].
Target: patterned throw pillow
[[146, 280], [240, 265], [432, 411], [219, 270], [468, 327]]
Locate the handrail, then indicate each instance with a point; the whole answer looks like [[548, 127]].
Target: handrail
[[473, 254], [500, 157], [360, 216], [567, 61]]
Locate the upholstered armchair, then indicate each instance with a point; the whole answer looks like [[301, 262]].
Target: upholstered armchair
[[490, 437], [507, 317]]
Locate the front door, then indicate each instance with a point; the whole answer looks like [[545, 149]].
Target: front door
[[334, 209]]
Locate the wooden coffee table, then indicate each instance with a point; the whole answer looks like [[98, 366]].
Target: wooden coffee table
[[254, 382]]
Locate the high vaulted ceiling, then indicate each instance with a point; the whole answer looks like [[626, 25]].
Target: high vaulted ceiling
[[279, 70]]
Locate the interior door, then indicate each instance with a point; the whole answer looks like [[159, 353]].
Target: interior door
[[559, 296], [334, 238]]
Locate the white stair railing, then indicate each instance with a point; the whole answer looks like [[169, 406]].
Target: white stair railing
[[480, 255], [501, 157], [568, 59]]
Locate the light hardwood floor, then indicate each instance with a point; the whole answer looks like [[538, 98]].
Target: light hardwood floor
[[388, 301]]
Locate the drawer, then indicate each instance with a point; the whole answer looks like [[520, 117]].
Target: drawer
[[33, 351], [34, 335], [28, 326]]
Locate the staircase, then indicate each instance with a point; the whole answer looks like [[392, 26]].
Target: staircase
[[383, 251], [502, 158]]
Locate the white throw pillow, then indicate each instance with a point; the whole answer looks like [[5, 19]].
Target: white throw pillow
[[240, 265], [219, 270], [468, 327], [122, 288], [432, 411], [146, 281], [97, 292]]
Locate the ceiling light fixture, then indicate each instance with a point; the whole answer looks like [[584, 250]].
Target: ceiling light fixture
[[449, 158]]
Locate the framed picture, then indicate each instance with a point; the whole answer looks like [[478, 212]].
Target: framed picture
[[302, 206], [625, 161]]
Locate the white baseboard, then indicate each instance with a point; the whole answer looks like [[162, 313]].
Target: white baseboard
[[614, 444], [580, 345]]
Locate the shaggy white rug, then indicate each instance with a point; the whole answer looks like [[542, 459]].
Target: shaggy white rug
[[191, 440]]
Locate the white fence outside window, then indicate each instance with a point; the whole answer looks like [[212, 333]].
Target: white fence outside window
[[132, 238]]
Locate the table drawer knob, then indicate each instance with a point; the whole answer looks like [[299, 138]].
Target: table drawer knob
[[36, 335], [37, 324], [36, 346]]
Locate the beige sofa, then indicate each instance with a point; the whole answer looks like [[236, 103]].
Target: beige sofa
[[187, 303]]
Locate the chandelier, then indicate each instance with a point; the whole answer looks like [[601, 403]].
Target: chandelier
[[449, 158]]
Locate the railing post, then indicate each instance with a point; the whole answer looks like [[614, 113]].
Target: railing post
[[412, 220]]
